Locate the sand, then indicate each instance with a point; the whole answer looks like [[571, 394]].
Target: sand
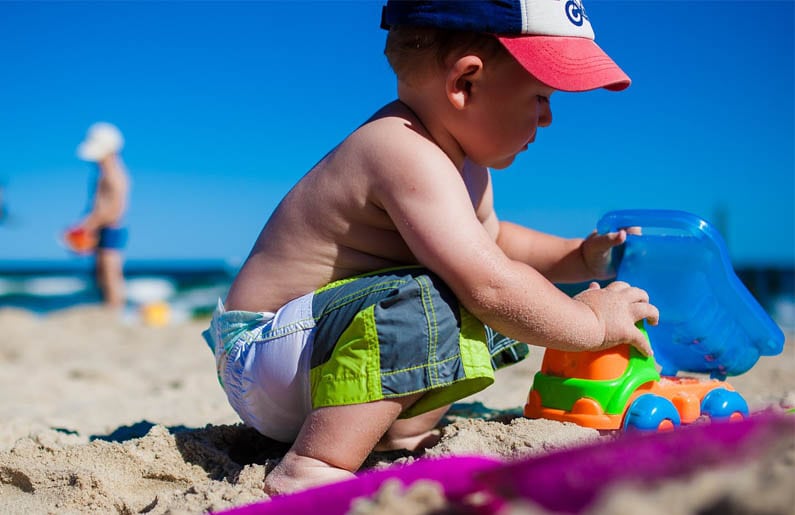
[[101, 415]]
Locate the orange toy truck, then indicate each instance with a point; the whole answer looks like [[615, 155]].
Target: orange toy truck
[[709, 324]]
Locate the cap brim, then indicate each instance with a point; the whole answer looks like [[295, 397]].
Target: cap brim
[[566, 63]]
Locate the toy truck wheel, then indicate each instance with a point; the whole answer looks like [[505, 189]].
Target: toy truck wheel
[[722, 404], [651, 412]]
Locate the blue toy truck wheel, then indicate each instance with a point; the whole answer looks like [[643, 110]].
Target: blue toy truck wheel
[[651, 412], [721, 404]]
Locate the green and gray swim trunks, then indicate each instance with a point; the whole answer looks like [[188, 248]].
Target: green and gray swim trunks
[[382, 335]]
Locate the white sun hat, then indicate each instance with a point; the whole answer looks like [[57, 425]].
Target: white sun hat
[[102, 139]]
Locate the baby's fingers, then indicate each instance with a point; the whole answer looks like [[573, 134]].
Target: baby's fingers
[[618, 286], [646, 311], [611, 239], [632, 293], [638, 294], [641, 342]]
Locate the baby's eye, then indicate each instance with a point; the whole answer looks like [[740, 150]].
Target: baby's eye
[[542, 99]]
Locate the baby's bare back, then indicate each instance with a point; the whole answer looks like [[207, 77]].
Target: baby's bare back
[[329, 226]]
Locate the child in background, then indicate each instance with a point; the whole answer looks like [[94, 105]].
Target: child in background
[[384, 287], [101, 231]]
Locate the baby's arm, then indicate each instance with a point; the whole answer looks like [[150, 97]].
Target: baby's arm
[[561, 259], [426, 198]]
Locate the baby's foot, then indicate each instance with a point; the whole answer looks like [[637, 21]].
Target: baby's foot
[[295, 473]]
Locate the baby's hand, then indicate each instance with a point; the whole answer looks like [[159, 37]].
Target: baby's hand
[[617, 307], [597, 251]]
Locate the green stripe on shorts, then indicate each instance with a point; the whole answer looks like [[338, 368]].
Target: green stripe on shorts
[[352, 374]]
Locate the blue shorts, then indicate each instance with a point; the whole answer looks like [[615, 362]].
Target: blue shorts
[[112, 238], [383, 335]]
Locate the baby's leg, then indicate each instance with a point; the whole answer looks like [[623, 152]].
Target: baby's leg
[[333, 443], [413, 433], [110, 276]]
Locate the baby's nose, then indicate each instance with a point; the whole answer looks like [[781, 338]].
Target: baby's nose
[[544, 114]]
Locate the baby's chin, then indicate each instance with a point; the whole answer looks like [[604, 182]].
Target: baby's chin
[[496, 162], [502, 163]]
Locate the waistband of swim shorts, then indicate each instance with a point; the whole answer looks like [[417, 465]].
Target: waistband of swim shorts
[[228, 328]]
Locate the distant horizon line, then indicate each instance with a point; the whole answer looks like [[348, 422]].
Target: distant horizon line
[[32, 266], [51, 265]]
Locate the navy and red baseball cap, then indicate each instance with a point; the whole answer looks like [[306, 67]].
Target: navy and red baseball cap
[[551, 39]]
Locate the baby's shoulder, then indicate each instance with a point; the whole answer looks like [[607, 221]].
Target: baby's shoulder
[[388, 133], [393, 141]]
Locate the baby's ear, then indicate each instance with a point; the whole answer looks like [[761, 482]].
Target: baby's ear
[[461, 75]]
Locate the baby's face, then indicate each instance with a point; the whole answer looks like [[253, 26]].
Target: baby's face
[[508, 105]]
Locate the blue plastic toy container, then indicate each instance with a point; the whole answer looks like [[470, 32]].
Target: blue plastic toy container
[[709, 321]]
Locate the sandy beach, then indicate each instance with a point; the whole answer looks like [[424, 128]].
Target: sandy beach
[[100, 415]]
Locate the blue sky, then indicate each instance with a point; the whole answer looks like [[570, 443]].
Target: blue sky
[[225, 105]]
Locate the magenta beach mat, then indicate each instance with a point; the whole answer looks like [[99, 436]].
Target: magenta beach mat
[[566, 481]]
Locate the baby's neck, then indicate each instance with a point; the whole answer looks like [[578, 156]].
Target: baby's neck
[[426, 110]]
